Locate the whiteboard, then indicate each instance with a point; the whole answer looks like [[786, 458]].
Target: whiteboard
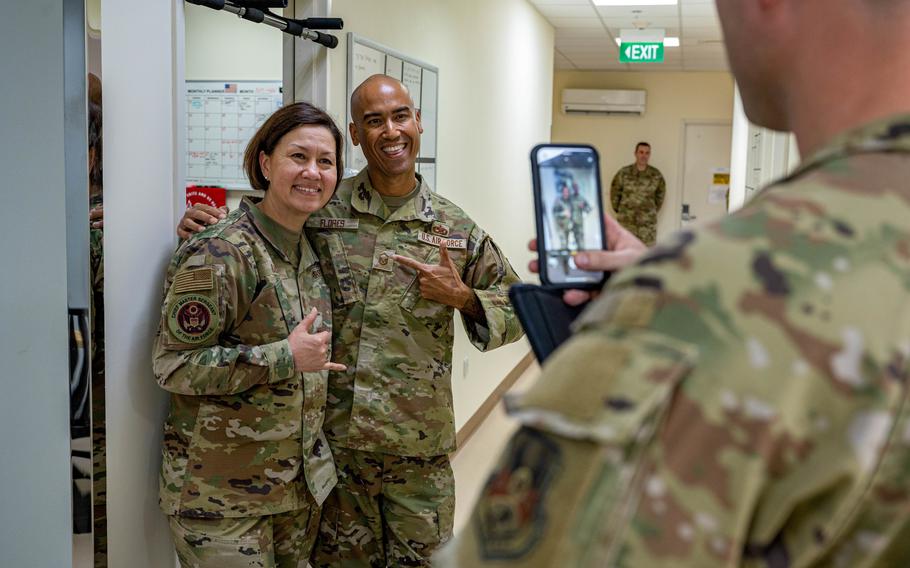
[[367, 58], [222, 116]]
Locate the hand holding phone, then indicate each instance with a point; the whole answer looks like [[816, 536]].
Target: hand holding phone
[[623, 249], [569, 212]]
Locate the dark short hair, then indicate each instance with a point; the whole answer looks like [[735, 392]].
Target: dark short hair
[[284, 120], [640, 144]]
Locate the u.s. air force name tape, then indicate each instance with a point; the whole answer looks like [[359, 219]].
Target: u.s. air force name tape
[[436, 241], [192, 318]]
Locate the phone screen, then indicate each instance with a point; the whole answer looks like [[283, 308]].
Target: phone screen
[[570, 208]]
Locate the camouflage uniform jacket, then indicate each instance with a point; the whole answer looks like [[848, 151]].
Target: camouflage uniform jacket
[[738, 399], [244, 434], [636, 198], [396, 396], [96, 275], [562, 212], [580, 208]]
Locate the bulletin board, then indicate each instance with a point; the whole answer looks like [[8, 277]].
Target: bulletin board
[[222, 116], [367, 58]]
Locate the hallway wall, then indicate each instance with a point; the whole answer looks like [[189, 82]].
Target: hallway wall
[[34, 342], [672, 98]]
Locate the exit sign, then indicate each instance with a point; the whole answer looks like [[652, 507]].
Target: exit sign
[[641, 52]]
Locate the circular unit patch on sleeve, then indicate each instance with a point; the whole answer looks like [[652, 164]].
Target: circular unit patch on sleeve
[[192, 318]]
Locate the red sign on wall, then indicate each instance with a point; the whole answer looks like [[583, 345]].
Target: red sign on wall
[[206, 195]]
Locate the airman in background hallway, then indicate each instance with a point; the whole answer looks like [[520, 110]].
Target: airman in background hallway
[[637, 194]]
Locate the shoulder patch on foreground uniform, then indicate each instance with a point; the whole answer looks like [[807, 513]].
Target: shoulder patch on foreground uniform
[[511, 515], [192, 318]]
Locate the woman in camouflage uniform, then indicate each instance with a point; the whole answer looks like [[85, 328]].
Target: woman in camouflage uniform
[[245, 464]]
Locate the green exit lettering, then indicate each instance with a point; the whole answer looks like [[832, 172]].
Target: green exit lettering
[[641, 53]]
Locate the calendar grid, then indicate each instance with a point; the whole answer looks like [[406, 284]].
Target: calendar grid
[[221, 119]]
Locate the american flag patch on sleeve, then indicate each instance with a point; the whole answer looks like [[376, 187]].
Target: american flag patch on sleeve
[[197, 280]]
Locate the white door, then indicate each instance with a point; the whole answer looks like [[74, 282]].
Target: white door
[[706, 172]]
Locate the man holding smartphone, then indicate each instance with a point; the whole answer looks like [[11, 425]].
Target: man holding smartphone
[[738, 397]]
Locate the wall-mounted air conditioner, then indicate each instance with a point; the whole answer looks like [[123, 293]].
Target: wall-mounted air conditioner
[[602, 101]]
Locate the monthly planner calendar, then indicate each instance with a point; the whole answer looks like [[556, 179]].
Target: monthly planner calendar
[[221, 119]]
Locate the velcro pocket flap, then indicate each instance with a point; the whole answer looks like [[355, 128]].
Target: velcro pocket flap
[[605, 389]]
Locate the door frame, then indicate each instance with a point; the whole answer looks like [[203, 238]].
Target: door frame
[[306, 64]]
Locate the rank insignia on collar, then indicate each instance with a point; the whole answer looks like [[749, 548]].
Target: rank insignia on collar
[[439, 230]]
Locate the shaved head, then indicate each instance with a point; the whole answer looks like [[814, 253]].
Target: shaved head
[[376, 86]]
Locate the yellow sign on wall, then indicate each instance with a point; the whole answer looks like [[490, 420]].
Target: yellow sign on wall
[[721, 179]]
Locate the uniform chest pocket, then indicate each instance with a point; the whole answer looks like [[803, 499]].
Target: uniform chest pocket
[[338, 270], [269, 318], [412, 301]]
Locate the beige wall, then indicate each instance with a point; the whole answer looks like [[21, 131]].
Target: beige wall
[[672, 99], [495, 63], [221, 46]]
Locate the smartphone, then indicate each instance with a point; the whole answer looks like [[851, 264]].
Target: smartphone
[[569, 211], [546, 319]]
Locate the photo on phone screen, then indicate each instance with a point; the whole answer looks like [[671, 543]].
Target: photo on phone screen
[[570, 211]]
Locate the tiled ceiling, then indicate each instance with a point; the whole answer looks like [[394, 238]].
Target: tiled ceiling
[[586, 34]]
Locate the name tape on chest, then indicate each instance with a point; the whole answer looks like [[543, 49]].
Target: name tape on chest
[[437, 241], [334, 223]]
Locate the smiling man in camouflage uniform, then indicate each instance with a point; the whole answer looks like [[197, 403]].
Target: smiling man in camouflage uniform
[[637, 194], [399, 260], [739, 398]]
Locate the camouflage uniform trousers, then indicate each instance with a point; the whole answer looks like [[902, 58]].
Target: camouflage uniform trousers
[[283, 540], [385, 511], [576, 231], [99, 441], [99, 471]]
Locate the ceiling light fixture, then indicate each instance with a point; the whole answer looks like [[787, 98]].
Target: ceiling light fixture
[[668, 41], [636, 2]]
